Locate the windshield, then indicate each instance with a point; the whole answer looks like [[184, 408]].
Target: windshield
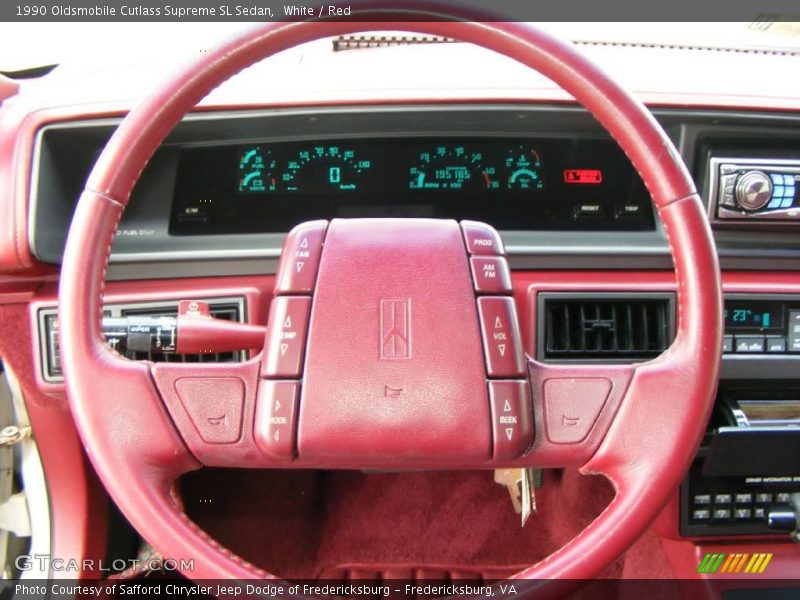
[[30, 45]]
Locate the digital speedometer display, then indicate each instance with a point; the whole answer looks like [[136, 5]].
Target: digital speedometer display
[[270, 186]]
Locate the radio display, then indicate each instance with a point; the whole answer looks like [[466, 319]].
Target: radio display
[[759, 315], [510, 183]]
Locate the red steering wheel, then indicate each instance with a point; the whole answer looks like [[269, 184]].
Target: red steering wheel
[[394, 307]]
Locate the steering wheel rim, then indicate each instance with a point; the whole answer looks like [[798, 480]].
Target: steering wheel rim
[[131, 438]]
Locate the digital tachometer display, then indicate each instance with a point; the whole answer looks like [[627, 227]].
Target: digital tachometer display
[[270, 186], [451, 167]]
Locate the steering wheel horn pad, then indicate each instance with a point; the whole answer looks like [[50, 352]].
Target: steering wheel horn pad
[[648, 428], [394, 348]]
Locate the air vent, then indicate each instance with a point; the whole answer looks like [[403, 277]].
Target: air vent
[[231, 309], [605, 327]]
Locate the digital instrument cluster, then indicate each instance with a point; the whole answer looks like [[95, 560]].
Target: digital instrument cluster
[[510, 183], [332, 167]]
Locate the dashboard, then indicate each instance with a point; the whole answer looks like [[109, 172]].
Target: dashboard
[[226, 186]]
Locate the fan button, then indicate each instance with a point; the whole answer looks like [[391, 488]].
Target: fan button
[[297, 271]]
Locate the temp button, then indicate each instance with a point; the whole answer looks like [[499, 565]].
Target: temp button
[[286, 337]]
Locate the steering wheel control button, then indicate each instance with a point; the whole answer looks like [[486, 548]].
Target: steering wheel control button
[[276, 417], [490, 274], [481, 239], [501, 338], [297, 271], [215, 406], [572, 406], [286, 337], [512, 420]]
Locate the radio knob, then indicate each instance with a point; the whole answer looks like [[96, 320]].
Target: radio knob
[[753, 190]]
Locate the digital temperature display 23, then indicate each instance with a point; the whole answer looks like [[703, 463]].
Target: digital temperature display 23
[[754, 315]]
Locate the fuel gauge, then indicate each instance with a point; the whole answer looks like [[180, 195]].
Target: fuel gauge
[[255, 171], [524, 167]]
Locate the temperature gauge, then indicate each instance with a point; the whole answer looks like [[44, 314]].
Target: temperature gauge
[[255, 171], [524, 168]]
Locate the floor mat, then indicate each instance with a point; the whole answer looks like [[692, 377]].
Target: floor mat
[[304, 524]]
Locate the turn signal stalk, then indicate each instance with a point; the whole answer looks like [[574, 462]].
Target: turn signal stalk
[[184, 334]]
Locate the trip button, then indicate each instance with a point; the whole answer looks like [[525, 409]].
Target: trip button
[[490, 274], [629, 211], [286, 337], [297, 271], [276, 416], [512, 420], [482, 239], [501, 338]]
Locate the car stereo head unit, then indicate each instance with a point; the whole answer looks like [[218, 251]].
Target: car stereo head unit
[[754, 190]]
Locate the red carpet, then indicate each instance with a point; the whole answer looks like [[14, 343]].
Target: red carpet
[[311, 524]]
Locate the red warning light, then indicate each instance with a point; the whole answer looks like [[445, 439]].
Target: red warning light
[[590, 176]]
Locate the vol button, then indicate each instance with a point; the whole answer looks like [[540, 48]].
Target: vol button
[[501, 339]]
